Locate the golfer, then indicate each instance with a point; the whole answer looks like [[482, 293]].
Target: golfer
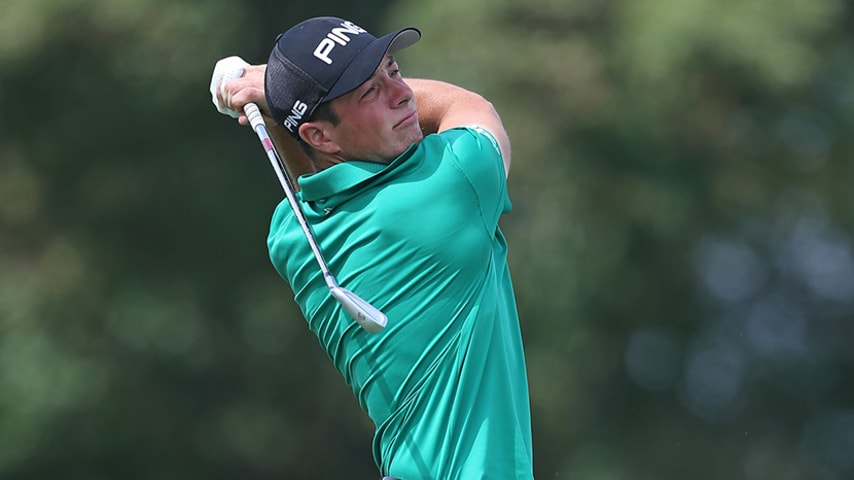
[[403, 183]]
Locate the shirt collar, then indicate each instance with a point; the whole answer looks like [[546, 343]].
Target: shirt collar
[[343, 176]]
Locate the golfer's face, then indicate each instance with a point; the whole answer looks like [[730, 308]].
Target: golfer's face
[[378, 120]]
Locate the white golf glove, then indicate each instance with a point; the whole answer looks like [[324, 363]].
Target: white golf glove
[[225, 70]]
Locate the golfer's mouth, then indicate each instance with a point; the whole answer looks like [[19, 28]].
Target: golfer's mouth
[[407, 120]]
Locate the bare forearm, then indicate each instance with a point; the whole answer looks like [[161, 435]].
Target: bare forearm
[[439, 102], [433, 98], [442, 106]]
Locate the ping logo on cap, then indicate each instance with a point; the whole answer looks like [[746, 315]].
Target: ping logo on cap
[[297, 112], [338, 35]]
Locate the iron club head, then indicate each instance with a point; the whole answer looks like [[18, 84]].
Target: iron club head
[[366, 315]]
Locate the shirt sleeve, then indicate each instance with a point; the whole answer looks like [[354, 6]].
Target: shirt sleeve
[[478, 155]]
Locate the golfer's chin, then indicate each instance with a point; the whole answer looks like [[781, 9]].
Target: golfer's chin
[[416, 137], [407, 138]]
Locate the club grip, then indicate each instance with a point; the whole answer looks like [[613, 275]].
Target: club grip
[[253, 113]]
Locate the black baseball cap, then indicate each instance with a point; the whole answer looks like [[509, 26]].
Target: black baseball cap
[[321, 59]]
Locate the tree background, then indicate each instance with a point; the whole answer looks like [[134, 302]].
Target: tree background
[[681, 240]]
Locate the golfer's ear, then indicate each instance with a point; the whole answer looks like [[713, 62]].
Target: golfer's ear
[[315, 135]]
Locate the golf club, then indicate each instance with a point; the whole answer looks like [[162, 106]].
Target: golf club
[[366, 315]]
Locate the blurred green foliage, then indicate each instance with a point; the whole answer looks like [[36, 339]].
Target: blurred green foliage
[[681, 239]]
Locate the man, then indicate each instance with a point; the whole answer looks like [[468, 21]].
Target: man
[[410, 223]]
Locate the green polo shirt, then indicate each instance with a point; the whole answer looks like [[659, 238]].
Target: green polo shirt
[[445, 381]]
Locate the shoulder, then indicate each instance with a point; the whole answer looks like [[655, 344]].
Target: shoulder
[[470, 150], [467, 140]]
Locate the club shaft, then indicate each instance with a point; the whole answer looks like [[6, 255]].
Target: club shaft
[[253, 113]]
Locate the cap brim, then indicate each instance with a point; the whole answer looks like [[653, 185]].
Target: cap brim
[[402, 38], [367, 61]]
